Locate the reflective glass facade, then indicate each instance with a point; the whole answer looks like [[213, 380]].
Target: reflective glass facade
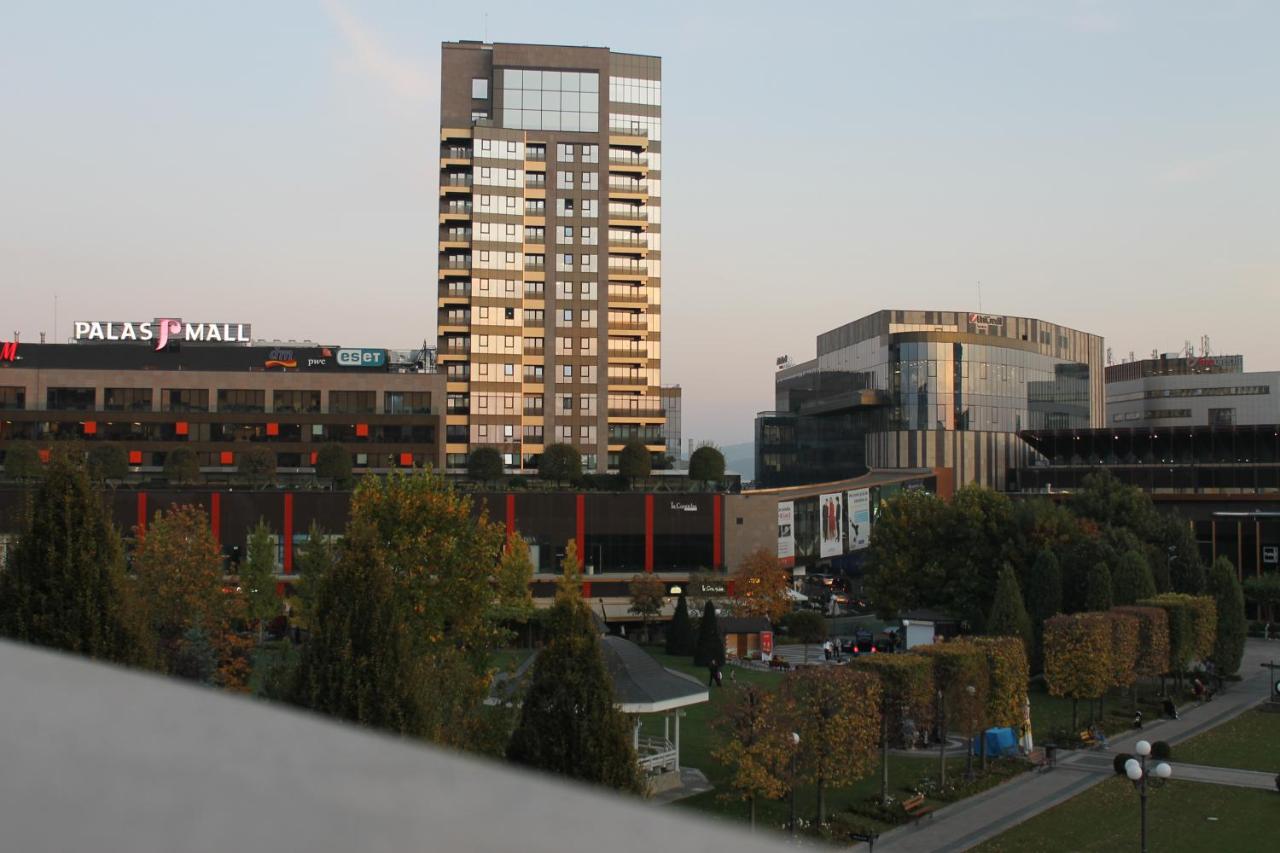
[[550, 100]]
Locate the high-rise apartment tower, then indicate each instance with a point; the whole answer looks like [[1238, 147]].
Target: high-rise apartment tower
[[550, 250]]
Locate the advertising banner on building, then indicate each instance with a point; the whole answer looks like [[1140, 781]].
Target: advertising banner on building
[[859, 519], [830, 526], [786, 533]]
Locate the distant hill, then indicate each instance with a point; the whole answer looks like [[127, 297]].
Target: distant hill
[[741, 458]]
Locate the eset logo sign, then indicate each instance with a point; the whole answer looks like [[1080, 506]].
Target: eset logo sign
[[362, 358]]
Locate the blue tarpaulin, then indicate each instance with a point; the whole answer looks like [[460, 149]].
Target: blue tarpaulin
[[1000, 741]]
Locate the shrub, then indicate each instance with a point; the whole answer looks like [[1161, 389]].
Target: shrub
[[1153, 640], [1009, 673], [1161, 751], [1077, 659], [1118, 763]]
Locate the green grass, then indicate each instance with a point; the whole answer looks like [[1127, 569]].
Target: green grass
[[697, 741], [1106, 817], [1249, 742], [1051, 715]]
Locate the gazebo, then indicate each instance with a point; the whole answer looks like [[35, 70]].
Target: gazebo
[[641, 685]]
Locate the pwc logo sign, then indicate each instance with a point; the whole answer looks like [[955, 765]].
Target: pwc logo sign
[[8, 350]]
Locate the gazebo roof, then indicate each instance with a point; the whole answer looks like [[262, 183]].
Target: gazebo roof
[[641, 685]]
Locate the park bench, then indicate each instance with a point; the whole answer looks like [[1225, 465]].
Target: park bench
[[915, 807], [1091, 741]]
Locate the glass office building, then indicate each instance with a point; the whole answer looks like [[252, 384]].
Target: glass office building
[[927, 389]]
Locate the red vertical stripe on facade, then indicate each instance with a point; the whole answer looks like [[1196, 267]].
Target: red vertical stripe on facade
[[717, 534], [586, 589], [215, 516], [648, 533], [288, 533], [142, 513], [581, 535], [511, 515]]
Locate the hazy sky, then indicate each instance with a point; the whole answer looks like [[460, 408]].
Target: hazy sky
[[1109, 166]]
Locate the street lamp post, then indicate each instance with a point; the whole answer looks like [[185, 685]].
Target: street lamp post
[[795, 755], [968, 747], [1136, 770]]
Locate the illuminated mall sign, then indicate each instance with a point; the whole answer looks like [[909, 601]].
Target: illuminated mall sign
[[162, 331], [8, 350]]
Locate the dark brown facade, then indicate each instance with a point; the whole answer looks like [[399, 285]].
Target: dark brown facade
[[220, 401], [550, 250]]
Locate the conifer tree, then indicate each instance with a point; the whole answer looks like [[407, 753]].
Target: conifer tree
[[1132, 580], [569, 723], [65, 584], [1008, 615], [1097, 595], [257, 578], [680, 631], [1228, 649], [710, 648]]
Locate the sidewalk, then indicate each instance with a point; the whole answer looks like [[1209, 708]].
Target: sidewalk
[[973, 820]]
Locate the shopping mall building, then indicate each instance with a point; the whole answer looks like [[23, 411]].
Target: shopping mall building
[[153, 386]]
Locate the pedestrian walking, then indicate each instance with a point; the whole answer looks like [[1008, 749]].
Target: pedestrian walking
[[1137, 719]]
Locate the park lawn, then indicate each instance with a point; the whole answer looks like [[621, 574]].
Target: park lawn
[[697, 742], [1249, 742], [1106, 817]]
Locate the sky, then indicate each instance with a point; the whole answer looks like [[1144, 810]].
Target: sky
[[1108, 166]]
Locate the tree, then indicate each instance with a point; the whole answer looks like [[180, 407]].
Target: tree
[[1228, 649], [648, 594], [484, 465], [753, 746], [634, 461], [560, 463], [1007, 686], [178, 569], [182, 466], [680, 636], [902, 567], [359, 662], [257, 578], [906, 694], [108, 462], [65, 585], [313, 558], [1153, 640], [962, 682], [195, 658], [22, 461], [834, 710], [1044, 599], [1264, 593], [333, 463], [512, 599], [1077, 657], [257, 466], [975, 541], [760, 586], [706, 465], [807, 626], [1181, 641], [1008, 615], [1126, 634], [569, 723], [1182, 555], [1132, 580], [710, 648], [1098, 588], [440, 562]]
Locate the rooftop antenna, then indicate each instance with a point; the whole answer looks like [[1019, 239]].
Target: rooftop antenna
[[1204, 346], [55, 316], [1110, 360], [1188, 351], [979, 297]]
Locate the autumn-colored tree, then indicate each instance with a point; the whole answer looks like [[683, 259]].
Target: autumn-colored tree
[[178, 568], [1077, 658], [1008, 617], [1009, 674], [569, 584], [64, 585], [1152, 657], [963, 683], [1193, 627], [1126, 633], [1228, 648], [569, 723], [835, 710], [257, 578], [440, 560], [513, 601], [906, 693], [760, 586], [753, 745], [648, 594]]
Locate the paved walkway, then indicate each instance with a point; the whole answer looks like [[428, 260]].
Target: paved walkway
[[975, 819], [1100, 762]]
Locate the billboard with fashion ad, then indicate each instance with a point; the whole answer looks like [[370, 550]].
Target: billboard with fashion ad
[[786, 533], [831, 540]]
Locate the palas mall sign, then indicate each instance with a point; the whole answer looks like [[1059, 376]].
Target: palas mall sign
[[163, 331]]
